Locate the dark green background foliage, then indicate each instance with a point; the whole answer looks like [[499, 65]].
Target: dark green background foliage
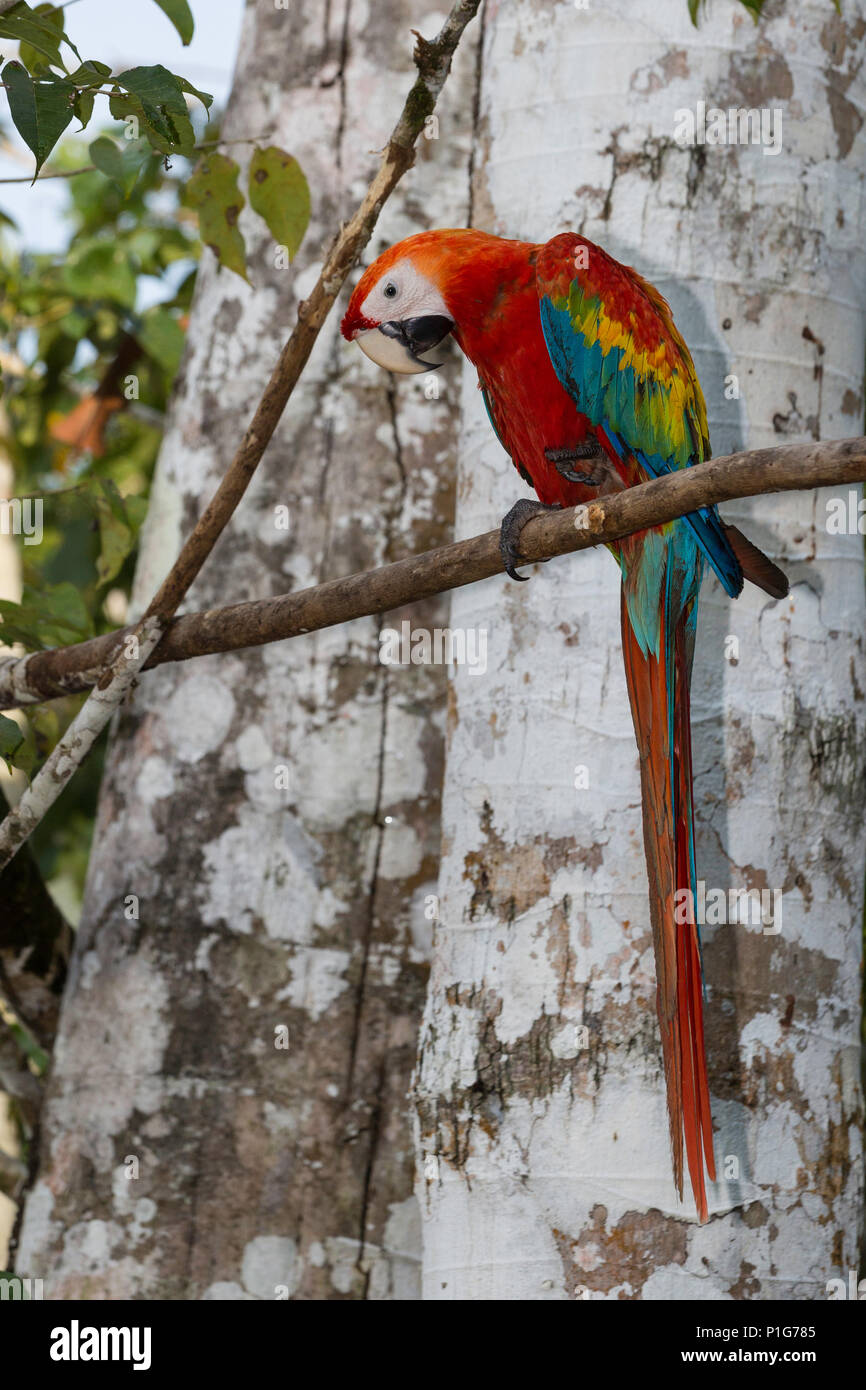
[[67, 320], [88, 368]]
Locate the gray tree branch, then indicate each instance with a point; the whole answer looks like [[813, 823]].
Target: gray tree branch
[[63, 670]]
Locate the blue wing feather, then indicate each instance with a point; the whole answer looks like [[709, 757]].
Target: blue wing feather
[[605, 393]]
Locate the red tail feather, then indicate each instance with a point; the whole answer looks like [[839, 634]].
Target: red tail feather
[[666, 777]]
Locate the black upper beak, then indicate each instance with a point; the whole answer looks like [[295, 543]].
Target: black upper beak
[[419, 334]]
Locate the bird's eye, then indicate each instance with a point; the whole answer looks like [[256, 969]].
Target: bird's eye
[[390, 291]]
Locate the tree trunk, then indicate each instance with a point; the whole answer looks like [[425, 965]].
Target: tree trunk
[[546, 1169], [227, 1116]]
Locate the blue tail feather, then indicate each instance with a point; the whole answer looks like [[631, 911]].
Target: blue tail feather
[[705, 524]]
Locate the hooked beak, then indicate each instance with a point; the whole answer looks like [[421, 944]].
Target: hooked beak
[[398, 346]]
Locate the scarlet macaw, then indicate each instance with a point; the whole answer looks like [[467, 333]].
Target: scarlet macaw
[[590, 388]]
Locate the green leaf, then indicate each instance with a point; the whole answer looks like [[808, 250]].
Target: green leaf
[[51, 617], [30, 56], [116, 536], [155, 95], [108, 158], [121, 165], [82, 106], [213, 191], [100, 270], [694, 6], [31, 1049], [41, 110], [180, 15], [90, 74], [37, 30], [162, 338], [11, 739], [279, 193], [204, 97]]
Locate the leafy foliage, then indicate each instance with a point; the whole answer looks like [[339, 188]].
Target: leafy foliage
[[11, 739], [279, 192], [155, 97], [41, 110], [88, 371], [180, 15], [89, 361], [121, 164], [40, 32], [93, 337], [53, 615], [213, 191], [44, 96]]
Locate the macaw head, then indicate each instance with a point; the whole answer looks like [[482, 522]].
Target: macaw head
[[398, 313]]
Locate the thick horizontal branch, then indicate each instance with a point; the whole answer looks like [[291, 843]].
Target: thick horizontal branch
[[44, 675]]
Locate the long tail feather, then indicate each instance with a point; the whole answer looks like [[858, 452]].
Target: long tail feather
[[756, 566], [658, 689]]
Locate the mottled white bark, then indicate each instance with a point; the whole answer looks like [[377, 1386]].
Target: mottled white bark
[[542, 1127], [268, 818]]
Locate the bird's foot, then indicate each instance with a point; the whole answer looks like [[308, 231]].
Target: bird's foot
[[590, 449], [512, 524]]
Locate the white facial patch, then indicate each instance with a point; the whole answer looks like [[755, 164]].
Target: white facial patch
[[403, 293]]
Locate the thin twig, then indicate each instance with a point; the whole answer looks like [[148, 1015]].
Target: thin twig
[[90, 168], [51, 174], [433, 62], [44, 675]]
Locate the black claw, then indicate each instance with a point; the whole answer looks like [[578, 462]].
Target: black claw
[[589, 449], [509, 532], [590, 479]]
